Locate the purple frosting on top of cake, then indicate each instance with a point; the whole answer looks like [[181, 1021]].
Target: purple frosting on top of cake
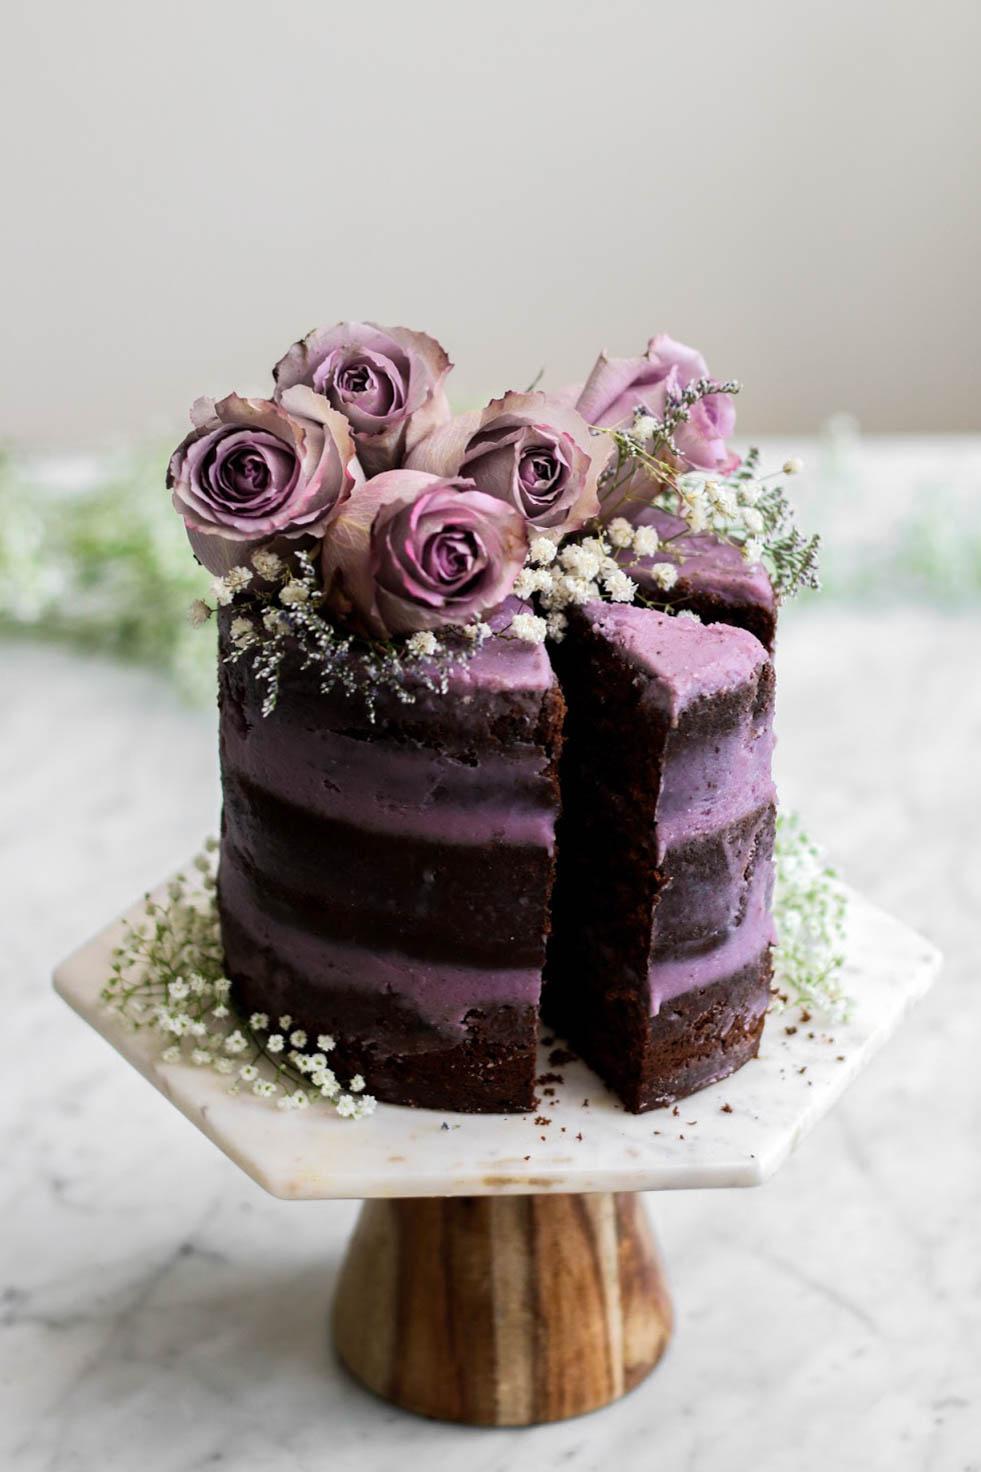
[[688, 660], [707, 568]]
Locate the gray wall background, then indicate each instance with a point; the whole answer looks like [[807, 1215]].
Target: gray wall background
[[191, 185]]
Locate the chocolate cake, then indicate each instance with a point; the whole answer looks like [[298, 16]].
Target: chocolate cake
[[659, 960], [388, 881], [473, 772]]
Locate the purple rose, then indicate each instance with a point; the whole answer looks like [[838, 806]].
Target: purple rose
[[252, 471], [529, 450], [617, 386], [412, 551], [387, 381]]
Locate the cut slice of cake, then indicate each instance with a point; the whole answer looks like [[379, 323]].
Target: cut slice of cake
[[659, 961], [388, 881], [714, 580]]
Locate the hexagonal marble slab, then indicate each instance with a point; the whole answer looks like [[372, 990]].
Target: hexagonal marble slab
[[735, 1133]]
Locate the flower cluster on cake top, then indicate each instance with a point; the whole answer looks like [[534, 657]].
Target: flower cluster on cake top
[[352, 510]]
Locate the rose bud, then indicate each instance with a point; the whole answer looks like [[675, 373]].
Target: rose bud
[[252, 472], [411, 551], [529, 450], [387, 381], [618, 386]]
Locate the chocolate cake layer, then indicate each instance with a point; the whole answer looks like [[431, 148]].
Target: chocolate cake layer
[[665, 850], [388, 881]]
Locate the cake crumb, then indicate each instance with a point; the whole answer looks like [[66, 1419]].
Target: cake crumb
[[559, 1056], [579, 1136], [585, 1103], [549, 1078], [805, 1016], [727, 1109], [540, 1119], [676, 1110], [790, 1031]]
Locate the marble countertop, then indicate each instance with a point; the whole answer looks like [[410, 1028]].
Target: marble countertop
[[159, 1311]]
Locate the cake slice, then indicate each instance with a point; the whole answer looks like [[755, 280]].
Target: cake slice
[[714, 581], [388, 881], [659, 961]]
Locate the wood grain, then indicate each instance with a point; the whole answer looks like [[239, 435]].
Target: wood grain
[[502, 1310]]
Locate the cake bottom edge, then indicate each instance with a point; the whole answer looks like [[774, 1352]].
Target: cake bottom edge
[[695, 1040]]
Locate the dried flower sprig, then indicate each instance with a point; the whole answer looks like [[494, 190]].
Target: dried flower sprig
[[167, 977], [558, 576], [285, 616], [809, 912], [740, 508]]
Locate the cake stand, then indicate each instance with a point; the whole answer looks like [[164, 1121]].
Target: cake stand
[[502, 1271]]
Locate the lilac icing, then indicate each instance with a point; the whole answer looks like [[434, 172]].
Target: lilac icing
[[686, 660], [441, 994]]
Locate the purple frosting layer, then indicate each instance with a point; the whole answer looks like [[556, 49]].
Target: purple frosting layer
[[438, 993], [410, 857]]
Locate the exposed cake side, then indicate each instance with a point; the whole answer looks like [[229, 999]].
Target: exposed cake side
[[388, 882], [659, 961]]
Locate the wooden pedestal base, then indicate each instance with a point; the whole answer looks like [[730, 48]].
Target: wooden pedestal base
[[502, 1310]]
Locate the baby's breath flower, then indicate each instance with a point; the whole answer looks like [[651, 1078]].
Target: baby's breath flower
[[275, 1042], [294, 592], [224, 1065], [646, 541], [529, 627], [201, 1057], [347, 1106], [643, 427], [235, 1042], [357, 1084], [557, 624], [179, 989], [793, 466], [198, 613], [220, 1011], [223, 593], [264, 1088], [171, 1054], [423, 643], [298, 1038], [286, 1022], [665, 575], [238, 578], [325, 1041], [542, 550], [259, 1021], [752, 520], [248, 1073], [620, 588], [620, 532], [752, 550], [242, 632], [689, 614], [267, 564]]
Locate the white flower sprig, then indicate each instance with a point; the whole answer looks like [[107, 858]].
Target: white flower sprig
[[743, 509], [167, 977], [284, 616], [561, 576], [809, 910]]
